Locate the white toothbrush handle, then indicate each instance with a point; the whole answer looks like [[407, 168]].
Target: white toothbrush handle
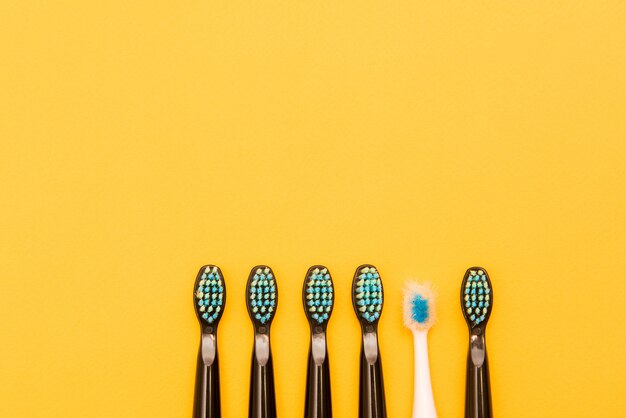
[[423, 401]]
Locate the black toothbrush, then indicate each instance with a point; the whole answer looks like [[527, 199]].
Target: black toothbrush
[[367, 299], [318, 298], [209, 300], [262, 301], [477, 302]]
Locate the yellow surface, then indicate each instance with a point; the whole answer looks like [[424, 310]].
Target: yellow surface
[[142, 140]]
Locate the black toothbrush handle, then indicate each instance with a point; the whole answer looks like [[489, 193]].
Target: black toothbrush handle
[[262, 394], [372, 390], [318, 402], [478, 389], [207, 395]]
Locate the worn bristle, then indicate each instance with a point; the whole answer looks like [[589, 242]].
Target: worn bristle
[[368, 293], [210, 294], [419, 306], [319, 295], [262, 295], [477, 297]]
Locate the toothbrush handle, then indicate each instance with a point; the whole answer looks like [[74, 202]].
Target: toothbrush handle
[[372, 390], [478, 390], [318, 400], [207, 395], [423, 400], [262, 395]]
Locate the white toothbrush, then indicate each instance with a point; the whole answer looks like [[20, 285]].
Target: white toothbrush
[[419, 316]]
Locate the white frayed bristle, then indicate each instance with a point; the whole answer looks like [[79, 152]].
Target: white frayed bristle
[[419, 306]]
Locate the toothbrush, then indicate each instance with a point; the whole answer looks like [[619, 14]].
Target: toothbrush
[[318, 298], [209, 301], [367, 299], [262, 300], [419, 316], [477, 302]]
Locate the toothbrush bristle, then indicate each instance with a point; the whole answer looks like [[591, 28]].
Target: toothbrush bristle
[[209, 295], [262, 295], [319, 295], [368, 293], [419, 306], [477, 296]]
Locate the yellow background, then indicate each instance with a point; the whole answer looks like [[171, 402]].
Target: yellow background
[[140, 140]]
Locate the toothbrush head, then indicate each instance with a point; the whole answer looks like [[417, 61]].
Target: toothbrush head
[[318, 296], [367, 295], [209, 295], [476, 297], [261, 296], [419, 306]]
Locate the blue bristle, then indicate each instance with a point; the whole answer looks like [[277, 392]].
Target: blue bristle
[[368, 293], [478, 287], [419, 311], [209, 293], [319, 291], [262, 289]]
